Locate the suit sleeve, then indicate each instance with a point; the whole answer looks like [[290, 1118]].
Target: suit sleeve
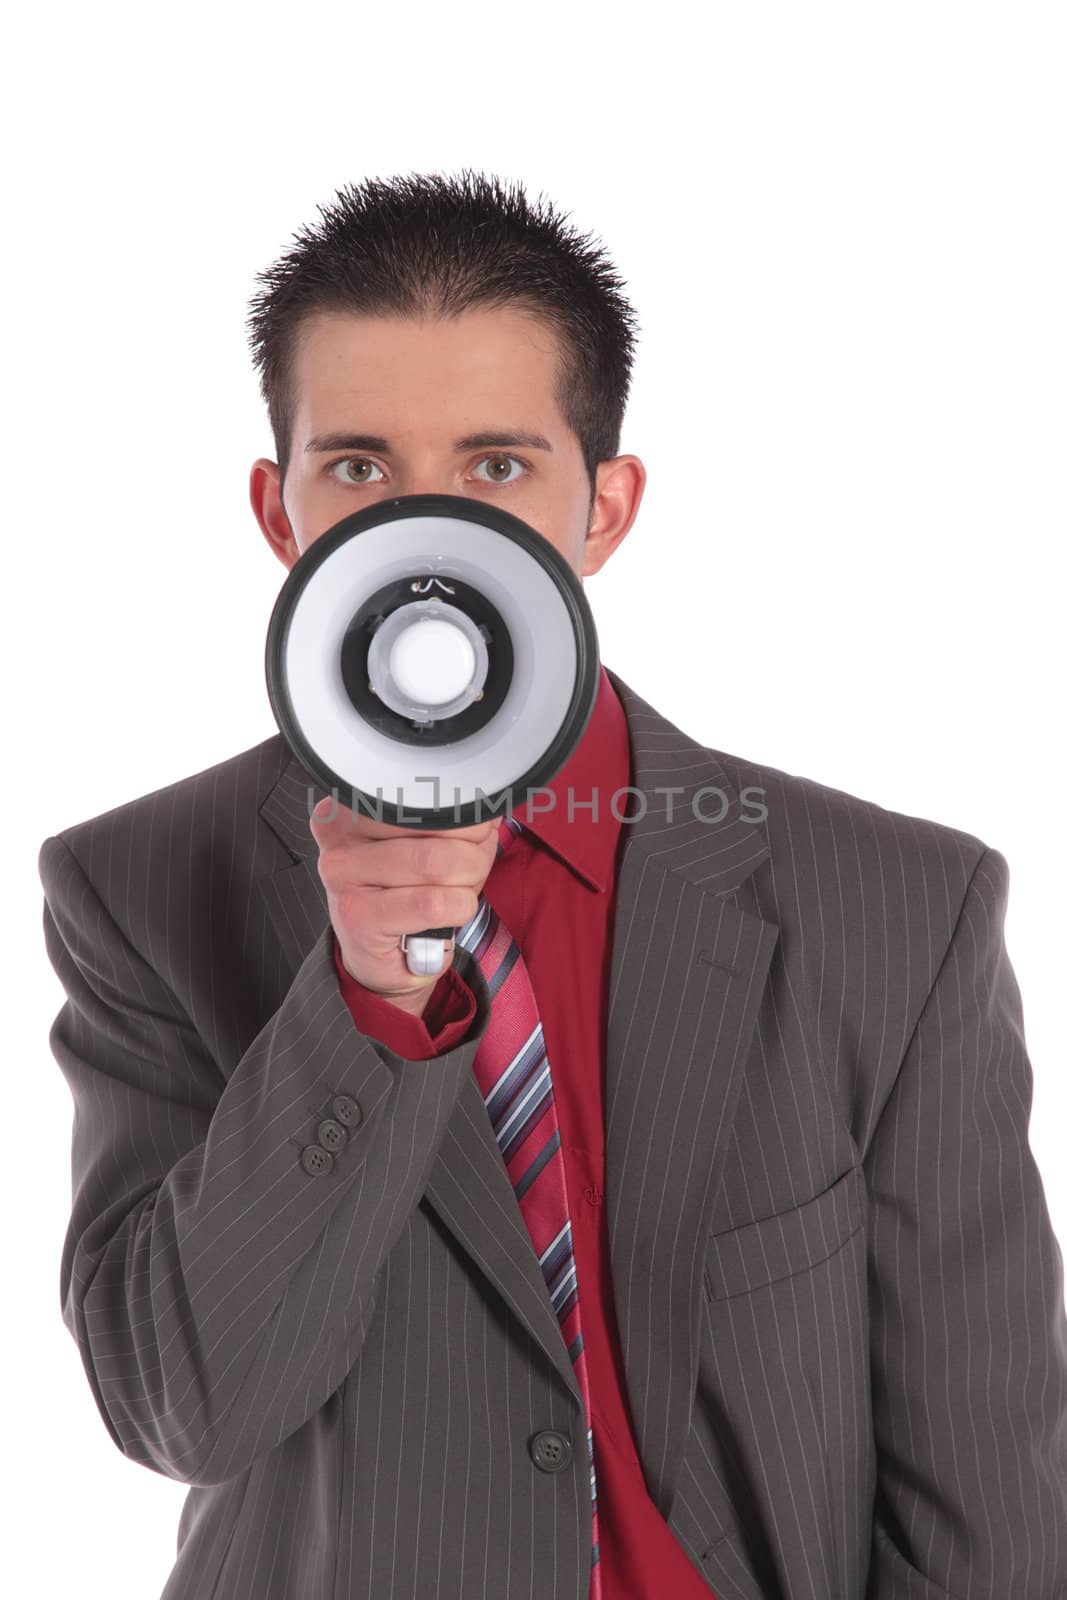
[[449, 1012], [218, 1289], [968, 1331]]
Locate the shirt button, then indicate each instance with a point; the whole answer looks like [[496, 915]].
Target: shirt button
[[346, 1110], [315, 1160], [331, 1135], [551, 1451]]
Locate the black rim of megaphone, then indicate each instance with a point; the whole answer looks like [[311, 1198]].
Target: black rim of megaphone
[[586, 677]]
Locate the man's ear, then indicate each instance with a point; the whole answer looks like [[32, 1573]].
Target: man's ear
[[620, 484], [265, 490]]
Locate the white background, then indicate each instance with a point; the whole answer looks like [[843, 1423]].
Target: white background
[[842, 227]]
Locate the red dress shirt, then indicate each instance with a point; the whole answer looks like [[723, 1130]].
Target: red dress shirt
[[560, 875]]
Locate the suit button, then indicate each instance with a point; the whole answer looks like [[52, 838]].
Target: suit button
[[346, 1110], [331, 1135], [316, 1160], [551, 1451]]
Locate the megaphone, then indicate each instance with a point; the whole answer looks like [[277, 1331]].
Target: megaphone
[[432, 647]]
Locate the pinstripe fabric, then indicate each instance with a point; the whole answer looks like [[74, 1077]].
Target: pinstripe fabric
[[513, 1072], [838, 1292]]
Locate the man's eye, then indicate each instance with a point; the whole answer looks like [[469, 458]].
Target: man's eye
[[504, 481], [350, 461]]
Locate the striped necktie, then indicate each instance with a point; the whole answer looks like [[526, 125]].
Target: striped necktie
[[512, 1071]]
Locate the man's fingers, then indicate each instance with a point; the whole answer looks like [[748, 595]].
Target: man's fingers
[[330, 820]]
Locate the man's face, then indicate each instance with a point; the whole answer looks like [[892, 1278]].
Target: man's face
[[422, 387]]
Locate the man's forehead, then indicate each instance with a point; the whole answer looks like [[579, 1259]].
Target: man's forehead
[[359, 399]]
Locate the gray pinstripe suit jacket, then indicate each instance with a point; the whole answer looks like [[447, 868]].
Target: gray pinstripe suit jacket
[[839, 1295]]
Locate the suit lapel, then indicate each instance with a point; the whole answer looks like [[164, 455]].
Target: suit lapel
[[688, 969]]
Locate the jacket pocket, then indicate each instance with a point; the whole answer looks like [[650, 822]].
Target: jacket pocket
[[779, 1246]]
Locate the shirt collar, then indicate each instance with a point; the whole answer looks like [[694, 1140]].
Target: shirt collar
[[597, 769]]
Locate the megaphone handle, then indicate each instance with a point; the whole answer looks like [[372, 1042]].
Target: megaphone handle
[[425, 951]]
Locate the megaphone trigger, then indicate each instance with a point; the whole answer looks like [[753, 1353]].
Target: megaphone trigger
[[425, 952]]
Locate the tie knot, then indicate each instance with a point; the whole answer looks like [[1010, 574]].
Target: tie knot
[[509, 829]]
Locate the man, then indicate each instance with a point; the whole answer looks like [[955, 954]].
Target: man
[[809, 1337]]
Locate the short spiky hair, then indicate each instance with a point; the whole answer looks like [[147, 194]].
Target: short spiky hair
[[423, 244]]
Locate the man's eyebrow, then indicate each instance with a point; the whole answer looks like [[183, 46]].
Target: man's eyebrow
[[492, 439]]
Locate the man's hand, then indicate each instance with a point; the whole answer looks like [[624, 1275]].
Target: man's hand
[[382, 882]]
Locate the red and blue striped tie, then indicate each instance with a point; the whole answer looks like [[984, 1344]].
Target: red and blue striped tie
[[512, 1072]]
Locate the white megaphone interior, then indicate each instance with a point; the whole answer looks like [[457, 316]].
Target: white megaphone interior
[[542, 638]]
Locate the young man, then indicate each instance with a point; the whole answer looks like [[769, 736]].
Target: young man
[[799, 1329]]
